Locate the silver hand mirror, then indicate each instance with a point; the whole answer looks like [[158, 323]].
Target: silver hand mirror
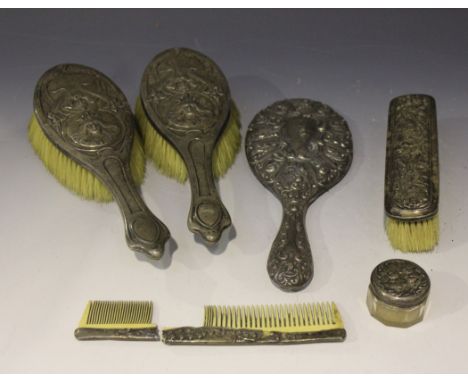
[[298, 149]]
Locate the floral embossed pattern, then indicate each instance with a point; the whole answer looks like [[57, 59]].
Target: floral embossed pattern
[[412, 162], [399, 281], [75, 107], [186, 91], [298, 149]]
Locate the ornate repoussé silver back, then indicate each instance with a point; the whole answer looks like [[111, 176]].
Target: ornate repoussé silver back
[[187, 99], [87, 117], [298, 149], [412, 161], [400, 283]]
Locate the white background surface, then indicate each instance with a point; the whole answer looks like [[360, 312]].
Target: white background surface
[[58, 251]]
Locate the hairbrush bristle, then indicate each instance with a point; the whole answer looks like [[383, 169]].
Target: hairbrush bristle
[[74, 176], [166, 158], [413, 236], [284, 318], [117, 314]]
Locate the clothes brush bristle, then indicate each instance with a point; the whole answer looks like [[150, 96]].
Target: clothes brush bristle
[[413, 236], [166, 158], [74, 176]]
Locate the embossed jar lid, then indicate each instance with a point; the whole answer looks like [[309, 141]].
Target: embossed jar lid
[[400, 283]]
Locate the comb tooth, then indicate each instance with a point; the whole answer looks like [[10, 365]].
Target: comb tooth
[[263, 323], [232, 311], [278, 316], [310, 311], [314, 314], [96, 309], [300, 319], [100, 309], [212, 315], [324, 314], [114, 313], [336, 314], [254, 318], [141, 312], [320, 314], [119, 312], [268, 316], [236, 316], [296, 315], [292, 315], [246, 318], [303, 315], [91, 312], [284, 316], [229, 317], [257, 317], [131, 312], [329, 313], [149, 316], [219, 316], [224, 317], [332, 308]]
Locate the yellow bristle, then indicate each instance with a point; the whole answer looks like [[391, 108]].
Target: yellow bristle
[[166, 158], [117, 315], [413, 236], [281, 318], [74, 176]]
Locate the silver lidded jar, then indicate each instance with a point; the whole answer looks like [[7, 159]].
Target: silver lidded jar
[[398, 293]]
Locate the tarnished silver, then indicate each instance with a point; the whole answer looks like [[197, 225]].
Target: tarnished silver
[[400, 283], [87, 117], [186, 97], [224, 336], [298, 149], [123, 334], [412, 164]]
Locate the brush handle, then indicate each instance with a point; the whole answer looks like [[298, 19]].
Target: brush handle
[[290, 264], [144, 232], [208, 216]]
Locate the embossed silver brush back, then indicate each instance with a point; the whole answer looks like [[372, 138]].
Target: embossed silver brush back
[[187, 98], [298, 149], [87, 117], [412, 165]]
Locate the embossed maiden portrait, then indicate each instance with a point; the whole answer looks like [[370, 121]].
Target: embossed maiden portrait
[[298, 149], [88, 119]]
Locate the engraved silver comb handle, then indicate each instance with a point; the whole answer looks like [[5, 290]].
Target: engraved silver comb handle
[[290, 265], [144, 232], [225, 336], [208, 216]]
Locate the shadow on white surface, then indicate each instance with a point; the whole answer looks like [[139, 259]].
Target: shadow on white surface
[[165, 261]]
